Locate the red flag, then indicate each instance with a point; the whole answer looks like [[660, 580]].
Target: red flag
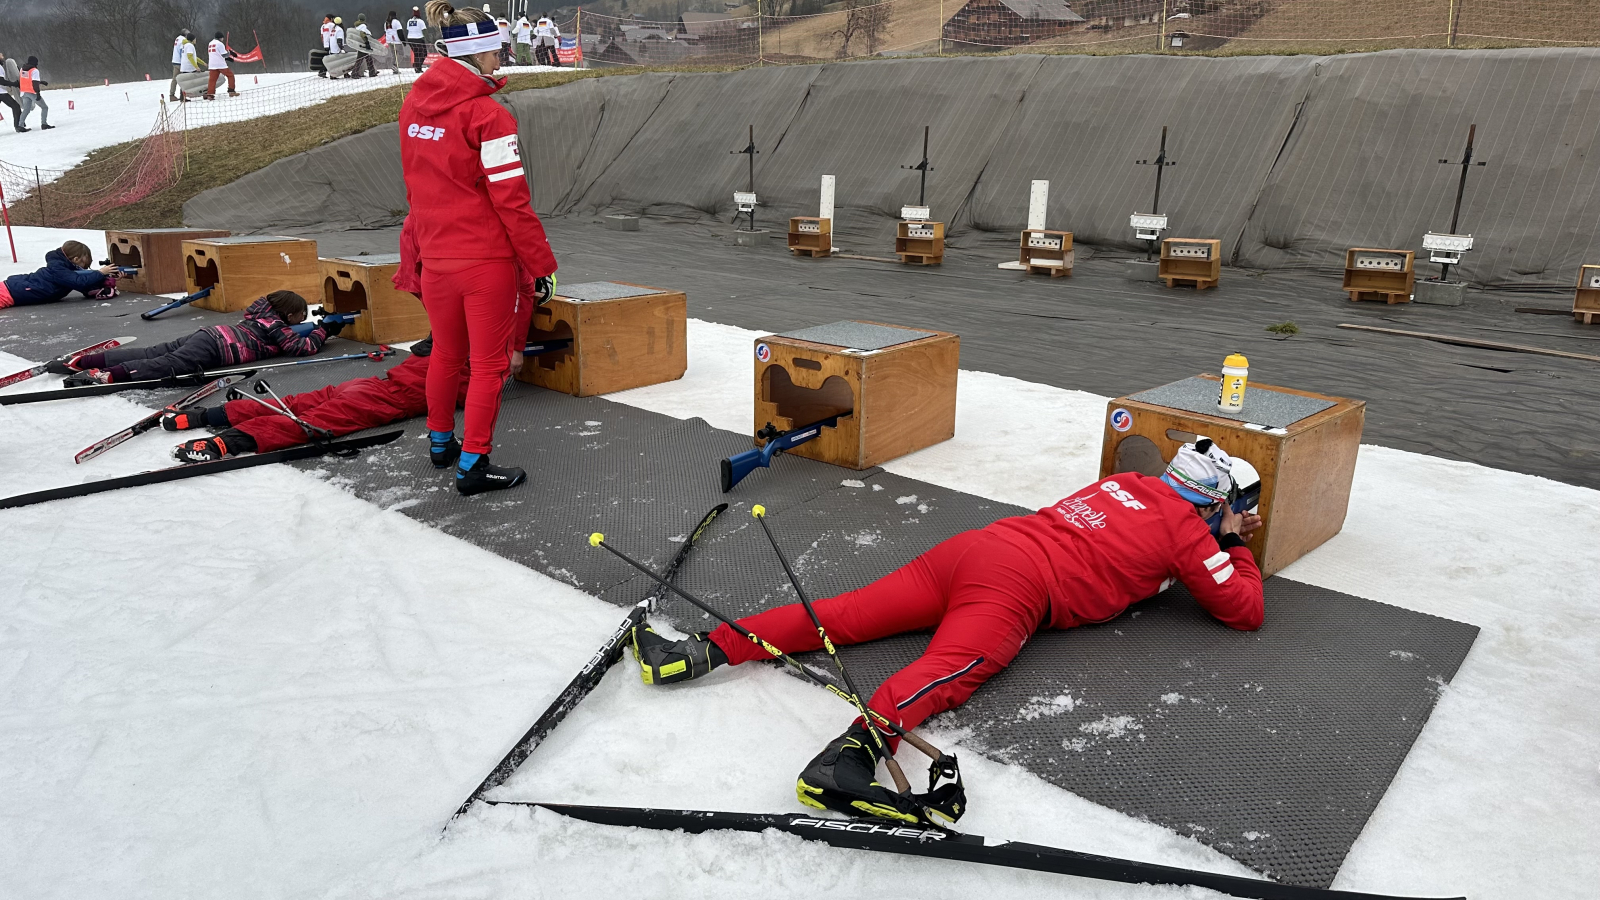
[[252, 56]]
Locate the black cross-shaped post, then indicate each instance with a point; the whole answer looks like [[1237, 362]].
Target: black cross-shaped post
[[1461, 189], [750, 184], [924, 168], [1160, 162]]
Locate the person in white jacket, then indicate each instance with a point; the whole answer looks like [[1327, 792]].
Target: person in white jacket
[[548, 37], [361, 41], [523, 33], [178, 45], [416, 27], [391, 40], [217, 54]]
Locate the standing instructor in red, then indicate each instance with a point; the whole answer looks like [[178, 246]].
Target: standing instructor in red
[[473, 219]]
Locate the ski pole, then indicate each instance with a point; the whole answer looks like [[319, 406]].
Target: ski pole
[[901, 784], [934, 753]]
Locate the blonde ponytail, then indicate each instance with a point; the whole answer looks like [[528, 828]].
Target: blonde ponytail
[[440, 13]]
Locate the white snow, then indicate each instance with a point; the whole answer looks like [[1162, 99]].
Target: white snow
[[88, 118], [260, 686]]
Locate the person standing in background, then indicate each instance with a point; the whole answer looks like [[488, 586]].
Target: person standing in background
[[416, 27], [361, 42], [12, 95], [189, 66], [505, 40], [338, 35], [177, 63], [391, 40], [548, 36], [473, 219], [217, 54], [29, 83], [327, 44], [523, 32]]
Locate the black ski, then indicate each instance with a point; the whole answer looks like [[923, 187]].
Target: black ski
[[891, 837], [193, 470], [194, 380], [591, 673]]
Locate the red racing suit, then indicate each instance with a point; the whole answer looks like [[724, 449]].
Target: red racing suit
[[985, 592], [472, 217], [343, 408]]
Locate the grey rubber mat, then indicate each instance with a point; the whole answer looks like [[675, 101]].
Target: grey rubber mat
[[857, 335], [603, 290], [1262, 406]]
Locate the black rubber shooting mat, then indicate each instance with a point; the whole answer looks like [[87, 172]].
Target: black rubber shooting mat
[[1274, 746], [1262, 406], [857, 335]]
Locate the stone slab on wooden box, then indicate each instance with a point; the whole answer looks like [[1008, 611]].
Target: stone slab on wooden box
[[1303, 445], [365, 284], [157, 253], [623, 336], [893, 388], [240, 270]]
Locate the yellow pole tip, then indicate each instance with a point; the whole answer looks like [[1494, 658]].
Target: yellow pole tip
[[595, 539], [758, 511]]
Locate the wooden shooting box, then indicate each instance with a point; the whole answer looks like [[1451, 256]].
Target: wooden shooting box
[[1196, 261], [1305, 466], [894, 395], [1046, 252], [241, 270], [158, 255], [919, 243], [623, 336], [1586, 303], [1386, 276], [365, 284], [811, 236]]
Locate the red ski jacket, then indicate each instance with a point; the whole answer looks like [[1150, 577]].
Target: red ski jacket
[[458, 149], [1126, 538]]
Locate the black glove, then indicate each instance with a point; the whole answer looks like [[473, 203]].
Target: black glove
[[331, 326], [544, 288]]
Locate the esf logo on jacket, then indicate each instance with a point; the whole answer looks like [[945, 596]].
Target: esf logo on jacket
[[424, 132]]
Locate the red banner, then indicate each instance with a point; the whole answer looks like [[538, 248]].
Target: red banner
[[252, 56], [568, 52]]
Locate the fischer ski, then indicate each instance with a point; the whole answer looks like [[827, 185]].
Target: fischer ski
[[198, 378], [154, 419], [40, 369], [346, 446], [910, 840], [589, 676]]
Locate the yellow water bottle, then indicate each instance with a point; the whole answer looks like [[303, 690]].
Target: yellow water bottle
[[1235, 375]]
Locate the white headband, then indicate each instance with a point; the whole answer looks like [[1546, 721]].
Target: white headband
[[471, 38]]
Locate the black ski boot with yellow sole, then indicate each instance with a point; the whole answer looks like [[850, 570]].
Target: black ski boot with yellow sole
[[844, 778], [667, 662]]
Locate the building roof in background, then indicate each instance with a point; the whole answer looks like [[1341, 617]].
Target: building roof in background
[[1053, 10], [697, 24]]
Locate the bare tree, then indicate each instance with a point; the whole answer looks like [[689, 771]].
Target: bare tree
[[865, 21]]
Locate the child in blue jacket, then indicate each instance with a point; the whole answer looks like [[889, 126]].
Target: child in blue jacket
[[267, 330], [66, 269]]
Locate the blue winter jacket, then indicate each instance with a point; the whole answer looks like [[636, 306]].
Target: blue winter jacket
[[59, 277]]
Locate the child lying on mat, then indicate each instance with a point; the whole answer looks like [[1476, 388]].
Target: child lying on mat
[[267, 330], [66, 269]]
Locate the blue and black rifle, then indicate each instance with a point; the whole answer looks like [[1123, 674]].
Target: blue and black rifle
[[339, 319], [181, 301], [737, 466], [1241, 500]]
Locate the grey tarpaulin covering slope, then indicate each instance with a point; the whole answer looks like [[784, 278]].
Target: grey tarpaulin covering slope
[[1288, 160], [1274, 746]]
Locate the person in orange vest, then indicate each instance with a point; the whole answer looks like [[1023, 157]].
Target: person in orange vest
[[29, 84], [218, 66]]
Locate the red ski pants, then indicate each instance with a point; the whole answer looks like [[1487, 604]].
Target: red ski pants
[[472, 308], [978, 591]]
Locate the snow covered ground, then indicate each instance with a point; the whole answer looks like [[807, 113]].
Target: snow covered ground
[[87, 118], [257, 685]]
